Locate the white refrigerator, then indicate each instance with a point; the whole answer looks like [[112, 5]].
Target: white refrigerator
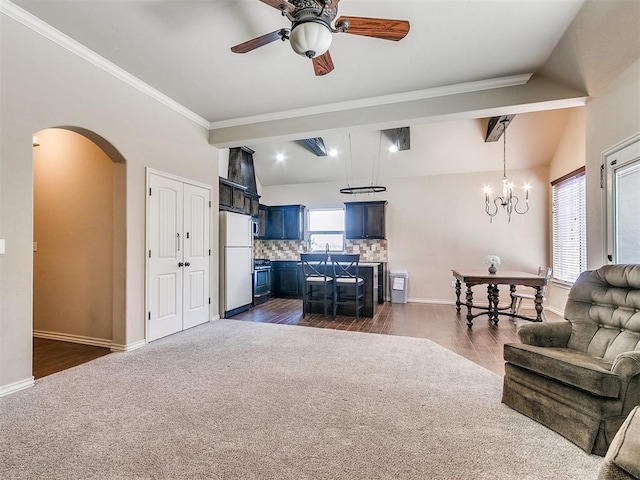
[[236, 263]]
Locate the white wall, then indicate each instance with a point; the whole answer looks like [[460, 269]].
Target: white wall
[[437, 223], [612, 117], [44, 85]]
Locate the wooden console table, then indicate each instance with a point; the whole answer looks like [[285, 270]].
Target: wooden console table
[[478, 277]]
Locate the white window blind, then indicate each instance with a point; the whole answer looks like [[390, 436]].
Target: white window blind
[[569, 226]]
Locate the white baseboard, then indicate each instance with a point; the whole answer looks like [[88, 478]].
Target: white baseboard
[[551, 309], [434, 301], [16, 386], [67, 337], [555, 310], [96, 342], [128, 347]]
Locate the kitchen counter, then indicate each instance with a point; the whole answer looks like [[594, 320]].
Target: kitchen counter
[[368, 271], [361, 264]]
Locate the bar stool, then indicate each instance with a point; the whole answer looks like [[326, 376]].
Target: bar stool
[[348, 286], [318, 281]]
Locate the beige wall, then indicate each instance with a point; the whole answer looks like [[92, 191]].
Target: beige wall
[[569, 156], [73, 230], [44, 85], [436, 223], [609, 118]]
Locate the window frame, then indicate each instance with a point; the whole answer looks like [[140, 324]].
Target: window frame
[[310, 232], [618, 157], [562, 269]]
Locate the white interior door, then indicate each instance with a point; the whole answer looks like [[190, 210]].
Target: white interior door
[[165, 220], [196, 256], [179, 256]]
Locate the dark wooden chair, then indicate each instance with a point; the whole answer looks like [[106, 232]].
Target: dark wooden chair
[[318, 282], [348, 286]]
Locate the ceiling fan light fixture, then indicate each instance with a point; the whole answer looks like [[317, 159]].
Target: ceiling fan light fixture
[[311, 38]]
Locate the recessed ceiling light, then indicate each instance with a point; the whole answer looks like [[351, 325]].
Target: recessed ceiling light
[[333, 152], [280, 157], [393, 148]]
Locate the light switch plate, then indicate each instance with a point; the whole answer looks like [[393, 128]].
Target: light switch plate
[[1, 246]]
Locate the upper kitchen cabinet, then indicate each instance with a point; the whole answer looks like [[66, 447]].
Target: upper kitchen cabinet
[[285, 222], [232, 196], [251, 204], [263, 212], [364, 219]]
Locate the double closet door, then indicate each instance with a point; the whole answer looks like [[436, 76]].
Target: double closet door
[[179, 253]]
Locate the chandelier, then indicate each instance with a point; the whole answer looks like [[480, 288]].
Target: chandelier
[[508, 200]]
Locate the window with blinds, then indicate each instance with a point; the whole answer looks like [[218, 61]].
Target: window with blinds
[[569, 226]]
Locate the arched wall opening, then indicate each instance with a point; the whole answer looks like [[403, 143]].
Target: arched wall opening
[[79, 182]]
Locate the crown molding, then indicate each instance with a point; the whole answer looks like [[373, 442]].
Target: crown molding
[[34, 23], [456, 89]]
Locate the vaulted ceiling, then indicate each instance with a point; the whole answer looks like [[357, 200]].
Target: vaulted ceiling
[[461, 60]]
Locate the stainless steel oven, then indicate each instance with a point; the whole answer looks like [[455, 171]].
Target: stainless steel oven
[[261, 280]]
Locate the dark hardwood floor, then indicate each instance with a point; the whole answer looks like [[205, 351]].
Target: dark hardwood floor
[[441, 324], [51, 356]]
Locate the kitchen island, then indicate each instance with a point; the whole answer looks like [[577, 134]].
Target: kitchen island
[[288, 282]]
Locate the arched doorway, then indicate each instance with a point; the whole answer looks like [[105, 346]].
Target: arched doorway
[[79, 245]]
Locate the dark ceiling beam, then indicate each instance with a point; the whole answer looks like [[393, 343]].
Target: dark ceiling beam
[[496, 126], [316, 145], [401, 137]]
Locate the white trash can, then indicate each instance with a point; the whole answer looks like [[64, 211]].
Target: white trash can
[[398, 282]]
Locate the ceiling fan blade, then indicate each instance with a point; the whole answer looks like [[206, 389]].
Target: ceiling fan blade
[[383, 28], [281, 5], [323, 64], [254, 43]]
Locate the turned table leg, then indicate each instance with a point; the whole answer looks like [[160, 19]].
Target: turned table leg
[[469, 306], [495, 297], [458, 291], [538, 302]]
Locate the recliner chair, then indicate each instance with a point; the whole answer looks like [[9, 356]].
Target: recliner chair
[[581, 377]]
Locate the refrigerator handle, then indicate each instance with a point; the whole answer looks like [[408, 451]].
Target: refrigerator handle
[[178, 240]]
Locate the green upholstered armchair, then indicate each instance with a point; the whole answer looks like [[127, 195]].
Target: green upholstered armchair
[[581, 377], [622, 461]]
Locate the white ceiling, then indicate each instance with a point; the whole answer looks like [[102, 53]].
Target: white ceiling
[[182, 49]]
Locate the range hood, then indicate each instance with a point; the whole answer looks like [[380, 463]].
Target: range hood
[[241, 170]]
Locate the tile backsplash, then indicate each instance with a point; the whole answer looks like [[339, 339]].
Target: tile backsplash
[[370, 250]]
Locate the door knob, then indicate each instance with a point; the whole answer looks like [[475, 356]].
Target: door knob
[[187, 264], [180, 264]]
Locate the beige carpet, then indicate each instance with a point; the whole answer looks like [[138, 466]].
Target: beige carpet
[[240, 400]]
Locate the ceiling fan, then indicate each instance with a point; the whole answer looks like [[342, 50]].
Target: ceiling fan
[[311, 32]]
